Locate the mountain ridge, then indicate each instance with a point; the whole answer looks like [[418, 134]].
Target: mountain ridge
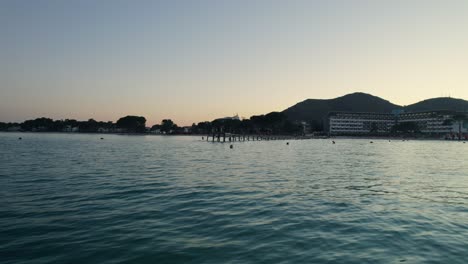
[[316, 110]]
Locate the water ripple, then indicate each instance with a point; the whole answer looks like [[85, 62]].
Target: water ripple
[[76, 199]]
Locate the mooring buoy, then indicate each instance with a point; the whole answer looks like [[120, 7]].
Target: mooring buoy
[[20, 138], [333, 142], [231, 146]]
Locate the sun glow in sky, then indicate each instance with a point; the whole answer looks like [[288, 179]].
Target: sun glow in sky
[[193, 61]]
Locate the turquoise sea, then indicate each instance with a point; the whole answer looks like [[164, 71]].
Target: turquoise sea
[[73, 198]]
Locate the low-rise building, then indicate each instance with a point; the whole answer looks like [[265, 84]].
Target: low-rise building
[[187, 129], [103, 130], [14, 129], [70, 128]]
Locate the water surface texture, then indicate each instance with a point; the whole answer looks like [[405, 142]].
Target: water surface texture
[[155, 199]]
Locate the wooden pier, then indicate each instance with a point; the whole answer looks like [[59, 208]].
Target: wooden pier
[[227, 137]]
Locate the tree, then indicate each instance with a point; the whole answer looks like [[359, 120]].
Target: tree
[[273, 122], [292, 128], [156, 127], [406, 127], [38, 124], [374, 128], [89, 126], [458, 119], [167, 126], [316, 125], [204, 127], [132, 124]]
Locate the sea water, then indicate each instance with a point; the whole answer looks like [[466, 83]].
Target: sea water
[[74, 198]]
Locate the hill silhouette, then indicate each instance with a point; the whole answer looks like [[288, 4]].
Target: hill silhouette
[[318, 109], [441, 103]]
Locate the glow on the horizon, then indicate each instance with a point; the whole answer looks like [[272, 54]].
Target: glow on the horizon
[[196, 61]]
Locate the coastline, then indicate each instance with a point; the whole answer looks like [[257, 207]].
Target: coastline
[[394, 138]]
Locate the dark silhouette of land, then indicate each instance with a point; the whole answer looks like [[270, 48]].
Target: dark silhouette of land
[[272, 123], [307, 116], [315, 111], [128, 124]]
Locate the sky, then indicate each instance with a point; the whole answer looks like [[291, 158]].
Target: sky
[[193, 61]]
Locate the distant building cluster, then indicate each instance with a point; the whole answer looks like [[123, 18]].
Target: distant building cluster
[[441, 123], [235, 117]]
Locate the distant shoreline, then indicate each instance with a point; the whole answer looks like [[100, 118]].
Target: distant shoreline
[[204, 136], [91, 133]]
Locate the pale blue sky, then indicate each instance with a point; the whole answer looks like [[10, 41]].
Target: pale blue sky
[[197, 60]]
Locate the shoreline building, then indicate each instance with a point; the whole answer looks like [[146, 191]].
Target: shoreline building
[[429, 122], [433, 122], [356, 123], [235, 117]]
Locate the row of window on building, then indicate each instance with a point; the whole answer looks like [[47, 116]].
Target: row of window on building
[[432, 122]]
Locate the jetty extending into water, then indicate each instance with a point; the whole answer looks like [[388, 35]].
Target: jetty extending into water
[[228, 137]]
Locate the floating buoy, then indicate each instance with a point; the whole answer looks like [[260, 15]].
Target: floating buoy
[[287, 143], [231, 146], [333, 142], [372, 142], [102, 138], [20, 138]]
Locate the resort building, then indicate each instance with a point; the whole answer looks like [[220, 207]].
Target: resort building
[[354, 123], [434, 122], [430, 122]]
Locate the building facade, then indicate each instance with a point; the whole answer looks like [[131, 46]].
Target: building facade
[[430, 122], [434, 122], [353, 123]]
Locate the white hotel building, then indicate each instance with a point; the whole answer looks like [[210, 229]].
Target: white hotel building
[[354, 123]]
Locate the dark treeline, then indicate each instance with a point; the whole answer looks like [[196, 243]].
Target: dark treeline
[[130, 124], [273, 123]]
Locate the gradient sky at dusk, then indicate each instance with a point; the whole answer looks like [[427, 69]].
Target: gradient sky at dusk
[[198, 60]]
